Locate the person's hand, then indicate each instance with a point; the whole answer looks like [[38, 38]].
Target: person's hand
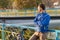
[[36, 33]]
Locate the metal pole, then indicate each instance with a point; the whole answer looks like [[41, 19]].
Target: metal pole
[[34, 11], [25, 12], [3, 37], [22, 33], [3, 26]]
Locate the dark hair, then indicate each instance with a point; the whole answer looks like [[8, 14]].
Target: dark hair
[[42, 6]]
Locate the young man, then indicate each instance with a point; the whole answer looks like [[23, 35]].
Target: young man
[[42, 22]]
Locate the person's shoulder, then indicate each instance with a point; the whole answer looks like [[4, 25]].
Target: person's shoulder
[[47, 15], [37, 14]]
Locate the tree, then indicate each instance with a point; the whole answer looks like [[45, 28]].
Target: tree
[[26, 4], [4, 3]]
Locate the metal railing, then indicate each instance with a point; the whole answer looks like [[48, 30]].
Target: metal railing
[[26, 12], [24, 27]]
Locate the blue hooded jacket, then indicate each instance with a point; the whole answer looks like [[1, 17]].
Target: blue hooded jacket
[[42, 20]]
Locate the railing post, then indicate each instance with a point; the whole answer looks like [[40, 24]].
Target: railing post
[[25, 12], [56, 35], [34, 11], [3, 36], [56, 12], [22, 33]]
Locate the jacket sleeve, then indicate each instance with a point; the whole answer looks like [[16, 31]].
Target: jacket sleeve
[[35, 20], [45, 21]]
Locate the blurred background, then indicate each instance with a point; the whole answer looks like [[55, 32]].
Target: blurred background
[[27, 7], [24, 8]]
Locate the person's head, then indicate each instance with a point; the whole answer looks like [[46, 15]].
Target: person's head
[[41, 8]]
